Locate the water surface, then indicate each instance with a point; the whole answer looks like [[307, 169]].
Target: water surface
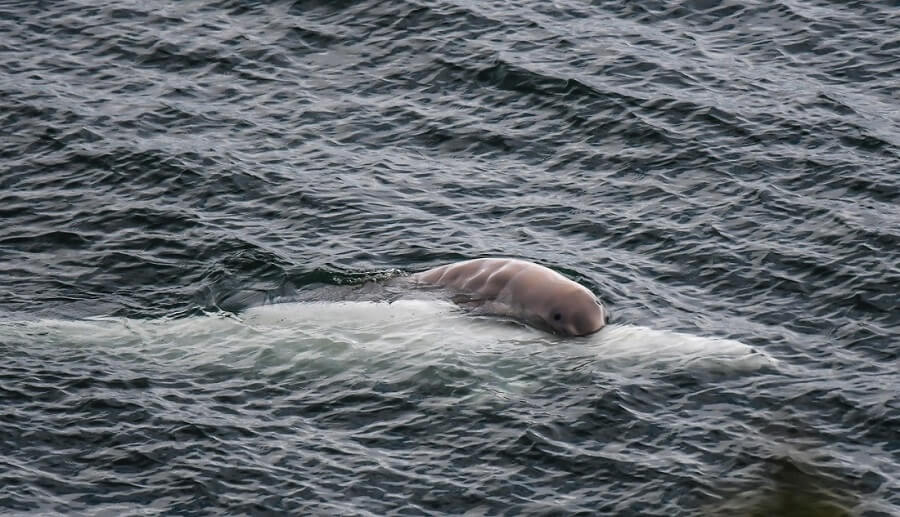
[[711, 169]]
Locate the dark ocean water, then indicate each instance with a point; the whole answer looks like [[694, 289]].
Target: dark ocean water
[[711, 168]]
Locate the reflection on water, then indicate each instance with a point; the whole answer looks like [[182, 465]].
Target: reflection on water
[[790, 490]]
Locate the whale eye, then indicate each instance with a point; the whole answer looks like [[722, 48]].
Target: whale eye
[[557, 316]]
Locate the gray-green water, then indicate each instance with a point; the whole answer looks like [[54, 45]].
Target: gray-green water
[[713, 170]]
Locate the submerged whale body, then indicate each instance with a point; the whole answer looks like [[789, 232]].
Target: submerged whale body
[[374, 334], [528, 292]]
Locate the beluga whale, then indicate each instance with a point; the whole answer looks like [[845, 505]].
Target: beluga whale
[[522, 290]]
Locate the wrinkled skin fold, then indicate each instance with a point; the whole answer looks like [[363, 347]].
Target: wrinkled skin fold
[[528, 292]]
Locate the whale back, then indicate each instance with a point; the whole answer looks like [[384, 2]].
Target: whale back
[[529, 292]]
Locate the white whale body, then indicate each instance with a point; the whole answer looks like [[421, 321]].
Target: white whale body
[[401, 330]]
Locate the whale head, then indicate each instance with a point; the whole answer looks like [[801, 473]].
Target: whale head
[[528, 292], [570, 312]]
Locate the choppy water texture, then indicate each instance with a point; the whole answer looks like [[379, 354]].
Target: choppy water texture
[[712, 169]]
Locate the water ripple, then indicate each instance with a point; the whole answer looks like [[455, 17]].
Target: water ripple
[[707, 167]]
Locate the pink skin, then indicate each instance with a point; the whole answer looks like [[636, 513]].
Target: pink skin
[[523, 290]]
